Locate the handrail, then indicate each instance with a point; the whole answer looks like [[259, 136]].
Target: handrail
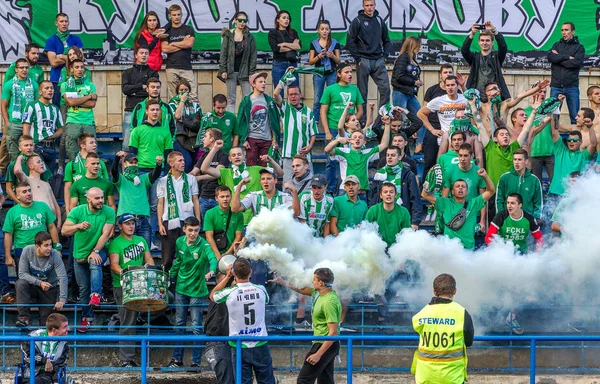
[[144, 339]]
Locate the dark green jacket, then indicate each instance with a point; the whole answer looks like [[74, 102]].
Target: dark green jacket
[[227, 61], [243, 118], [528, 186]]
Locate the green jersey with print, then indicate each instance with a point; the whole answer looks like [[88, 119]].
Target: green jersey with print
[[215, 219], [45, 119], [133, 198], [348, 212], [227, 179], [298, 127], [316, 213], [192, 262], [542, 142], [566, 162], [447, 159], [515, 230], [356, 162], [227, 124], [26, 222], [150, 141], [84, 241], [391, 222], [131, 254], [75, 169], [326, 309], [449, 207], [473, 180], [19, 95], [76, 88], [337, 96], [35, 73], [81, 186]]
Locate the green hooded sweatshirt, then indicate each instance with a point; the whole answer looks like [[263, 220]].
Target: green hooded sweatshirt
[[528, 186]]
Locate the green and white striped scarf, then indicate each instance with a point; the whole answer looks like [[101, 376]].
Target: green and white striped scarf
[[173, 208], [22, 95]]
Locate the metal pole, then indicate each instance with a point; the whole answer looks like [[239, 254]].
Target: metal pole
[[532, 358], [31, 362], [238, 361], [143, 361], [349, 362]]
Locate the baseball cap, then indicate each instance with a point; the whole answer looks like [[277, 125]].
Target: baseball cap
[[351, 178], [343, 65], [130, 157], [268, 170], [126, 217], [257, 74], [319, 180]]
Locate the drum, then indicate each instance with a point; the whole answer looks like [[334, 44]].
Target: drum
[[224, 262], [145, 288]]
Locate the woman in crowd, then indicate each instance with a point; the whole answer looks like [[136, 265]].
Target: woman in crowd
[[324, 52], [406, 81], [149, 35], [187, 115], [238, 58], [285, 45]]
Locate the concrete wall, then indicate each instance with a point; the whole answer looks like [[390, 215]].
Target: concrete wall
[[109, 108]]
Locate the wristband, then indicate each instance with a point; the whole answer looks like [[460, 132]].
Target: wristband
[[57, 246]]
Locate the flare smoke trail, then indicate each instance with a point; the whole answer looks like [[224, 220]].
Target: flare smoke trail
[[566, 269]]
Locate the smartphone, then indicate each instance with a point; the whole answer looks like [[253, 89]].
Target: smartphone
[[480, 26]]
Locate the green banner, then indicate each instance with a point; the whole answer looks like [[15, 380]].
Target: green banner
[[107, 27]]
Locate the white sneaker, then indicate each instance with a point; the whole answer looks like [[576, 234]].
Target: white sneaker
[[433, 216], [303, 326], [428, 217], [512, 322]]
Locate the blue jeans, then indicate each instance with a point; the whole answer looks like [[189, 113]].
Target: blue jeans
[[205, 205], [188, 157], [332, 170], [5, 286], [89, 280], [143, 228], [153, 198], [48, 154], [411, 103], [278, 70], [572, 96], [126, 130], [194, 304], [259, 360], [319, 86]]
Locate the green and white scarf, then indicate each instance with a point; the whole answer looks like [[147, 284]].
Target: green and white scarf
[[472, 94], [311, 70], [131, 173], [22, 95], [239, 172], [64, 37], [173, 208], [462, 125], [383, 174]]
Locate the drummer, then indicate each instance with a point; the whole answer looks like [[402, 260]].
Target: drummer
[[127, 250]]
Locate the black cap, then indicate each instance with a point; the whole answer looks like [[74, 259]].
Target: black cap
[[319, 180], [126, 217], [130, 157]]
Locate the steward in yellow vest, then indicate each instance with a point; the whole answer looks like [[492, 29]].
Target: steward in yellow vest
[[445, 331]]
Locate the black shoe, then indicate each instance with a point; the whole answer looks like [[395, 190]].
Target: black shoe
[[23, 322], [175, 364], [194, 367], [129, 364], [108, 300]]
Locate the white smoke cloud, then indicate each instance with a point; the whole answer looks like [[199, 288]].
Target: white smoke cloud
[[495, 276]]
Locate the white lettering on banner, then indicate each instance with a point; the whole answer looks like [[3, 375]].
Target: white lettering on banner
[[541, 27], [205, 18], [123, 22], [14, 33], [412, 15], [311, 14], [508, 16], [261, 14], [84, 16]]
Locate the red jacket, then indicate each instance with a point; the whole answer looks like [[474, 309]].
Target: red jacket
[[155, 59]]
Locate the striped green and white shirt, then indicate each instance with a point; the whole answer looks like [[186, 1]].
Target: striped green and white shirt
[[316, 213], [298, 127], [44, 120], [259, 200]]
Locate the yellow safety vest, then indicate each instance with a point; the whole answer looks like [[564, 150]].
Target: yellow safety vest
[[442, 355]]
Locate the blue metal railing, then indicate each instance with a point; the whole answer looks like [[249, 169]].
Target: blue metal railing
[[143, 340]]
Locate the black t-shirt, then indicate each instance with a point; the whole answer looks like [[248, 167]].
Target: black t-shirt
[[216, 320], [181, 59], [318, 64], [277, 37], [207, 187], [239, 52]]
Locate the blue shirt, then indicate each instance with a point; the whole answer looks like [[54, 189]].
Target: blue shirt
[[53, 44]]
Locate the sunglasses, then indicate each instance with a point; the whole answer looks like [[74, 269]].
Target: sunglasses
[[572, 140], [242, 20]]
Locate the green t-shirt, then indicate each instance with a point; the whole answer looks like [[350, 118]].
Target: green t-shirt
[[63, 78], [499, 161], [85, 241], [473, 180], [35, 73], [391, 222], [353, 162], [326, 309], [450, 207], [337, 96], [316, 213], [150, 141], [75, 169], [227, 124], [447, 159], [133, 198], [19, 99], [542, 142], [566, 162], [131, 254], [254, 185], [515, 230], [215, 219], [12, 178], [76, 89], [192, 262], [348, 213], [26, 222], [81, 186]]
